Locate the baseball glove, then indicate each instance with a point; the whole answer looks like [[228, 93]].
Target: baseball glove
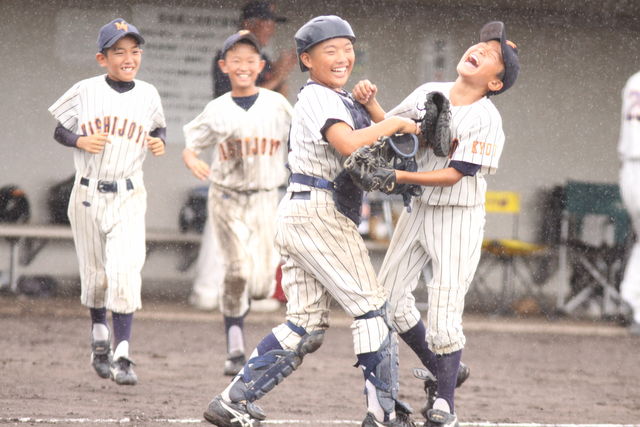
[[373, 167], [435, 124]]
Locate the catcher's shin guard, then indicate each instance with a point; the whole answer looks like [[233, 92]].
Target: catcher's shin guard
[[381, 370], [262, 373]]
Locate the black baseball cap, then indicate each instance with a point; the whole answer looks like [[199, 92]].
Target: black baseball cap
[[495, 31], [242, 35], [260, 10], [115, 30]]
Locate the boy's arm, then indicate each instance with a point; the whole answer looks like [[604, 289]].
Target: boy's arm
[[199, 168], [156, 141], [437, 178], [346, 140], [365, 93], [93, 144]]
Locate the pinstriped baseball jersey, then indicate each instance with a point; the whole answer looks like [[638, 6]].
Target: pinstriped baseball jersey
[[629, 141], [249, 145], [478, 138], [311, 154], [92, 106]]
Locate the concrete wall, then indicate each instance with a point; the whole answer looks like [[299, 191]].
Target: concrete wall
[[561, 119]]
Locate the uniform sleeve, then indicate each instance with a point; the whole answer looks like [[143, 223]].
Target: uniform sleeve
[[66, 110], [318, 106], [480, 141], [409, 107], [200, 132], [157, 112]]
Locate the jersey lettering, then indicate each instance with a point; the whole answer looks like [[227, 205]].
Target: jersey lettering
[[481, 148], [107, 124], [236, 149]]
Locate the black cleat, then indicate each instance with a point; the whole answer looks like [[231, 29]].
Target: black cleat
[[101, 357], [122, 371], [233, 414], [438, 418]]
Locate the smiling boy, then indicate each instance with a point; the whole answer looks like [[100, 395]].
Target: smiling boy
[[324, 256], [110, 121], [446, 225], [248, 129]]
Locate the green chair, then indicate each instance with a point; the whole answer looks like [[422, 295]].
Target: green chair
[[592, 253]]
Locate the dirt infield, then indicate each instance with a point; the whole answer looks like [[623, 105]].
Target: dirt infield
[[522, 370]]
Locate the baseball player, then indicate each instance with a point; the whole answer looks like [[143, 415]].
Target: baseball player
[[324, 255], [446, 224], [111, 121], [629, 153], [248, 129]]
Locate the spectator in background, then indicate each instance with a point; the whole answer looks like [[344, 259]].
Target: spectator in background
[[260, 18]]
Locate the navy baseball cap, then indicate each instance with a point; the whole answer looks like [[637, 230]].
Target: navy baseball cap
[[319, 29], [260, 10], [114, 31], [242, 35], [495, 31]]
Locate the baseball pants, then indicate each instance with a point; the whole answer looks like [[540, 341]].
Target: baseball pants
[[109, 235], [630, 286], [325, 257], [451, 238]]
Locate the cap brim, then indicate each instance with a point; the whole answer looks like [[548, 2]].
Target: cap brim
[[115, 39], [493, 31]]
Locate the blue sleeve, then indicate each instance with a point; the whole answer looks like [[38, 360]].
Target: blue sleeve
[[160, 133], [465, 168], [65, 137]]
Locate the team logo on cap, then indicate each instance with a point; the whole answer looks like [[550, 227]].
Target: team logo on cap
[[121, 26], [511, 44], [243, 32]]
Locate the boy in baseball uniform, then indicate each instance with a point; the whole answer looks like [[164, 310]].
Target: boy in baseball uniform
[[248, 129], [629, 154], [111, 121], [446, 224], [324, 255]]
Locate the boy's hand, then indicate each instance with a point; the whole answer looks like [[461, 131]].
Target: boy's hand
[[365, 92], [155, 145], [93, 144], [198, 168], [408, 126]]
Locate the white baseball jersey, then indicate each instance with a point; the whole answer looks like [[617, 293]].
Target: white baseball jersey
[[92, 106], [325, 257], [249, 145], [446, 225], [629, 153], [249, 149], [477, 137], [108, 227]]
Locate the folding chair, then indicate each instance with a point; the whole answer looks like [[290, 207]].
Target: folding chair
[[510, 258], [594, 238]]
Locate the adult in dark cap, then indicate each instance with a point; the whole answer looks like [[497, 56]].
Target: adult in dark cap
[[260, 18]]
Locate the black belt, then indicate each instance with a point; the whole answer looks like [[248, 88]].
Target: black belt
[[312, 181], [301, 195], [106, 186]]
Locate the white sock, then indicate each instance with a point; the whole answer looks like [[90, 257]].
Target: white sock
[[373, 405], [442, 405], [122, 350], [99, 332], [235, 339]]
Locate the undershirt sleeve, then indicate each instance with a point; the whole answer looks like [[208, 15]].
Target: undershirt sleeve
[[65, 137], [465, 168]]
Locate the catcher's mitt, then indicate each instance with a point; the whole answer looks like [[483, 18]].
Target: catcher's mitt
[[373, 167], [435, 124]]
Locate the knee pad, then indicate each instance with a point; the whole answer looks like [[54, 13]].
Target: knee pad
[[262, 373], [381, 370]]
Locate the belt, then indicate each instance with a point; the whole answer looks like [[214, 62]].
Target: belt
[[106, 186], [312, 181], [301, 195]]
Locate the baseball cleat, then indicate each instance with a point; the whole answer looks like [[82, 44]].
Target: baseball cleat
[[122, 371], [233, 414], [400, 421], [234, 363], [438, 418], [431, 384], [101, 357]]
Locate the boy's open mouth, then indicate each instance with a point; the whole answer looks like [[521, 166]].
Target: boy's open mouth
[[473, 60]]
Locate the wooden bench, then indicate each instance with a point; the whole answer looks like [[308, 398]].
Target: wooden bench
[[27, 240]]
